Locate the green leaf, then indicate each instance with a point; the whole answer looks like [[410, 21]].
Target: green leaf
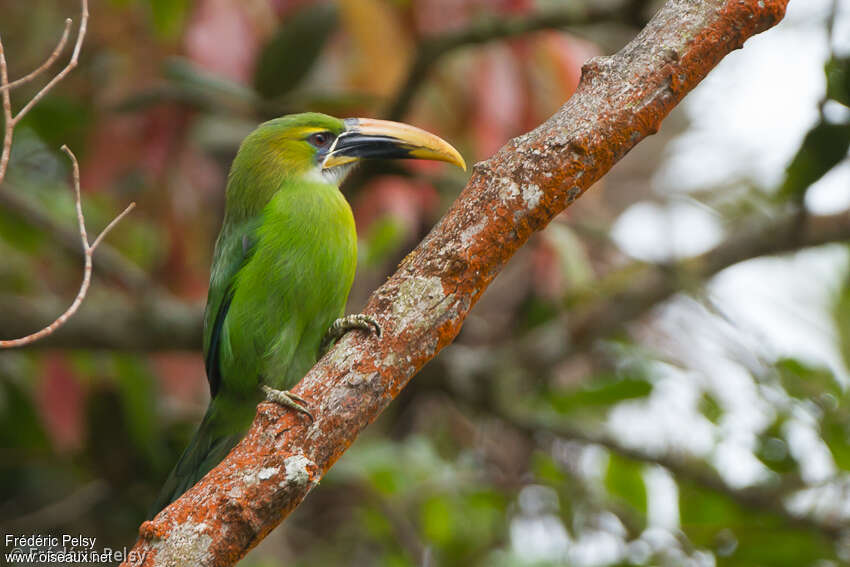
[[838, 79], [824, 146], [710, 408], [778, 545], [35, 167], [292, 52], [204, 85], [624, 481], [841, 316], [601, 393], [136, 388], [462, 523], [20, 425], [382, 239], [712, 520], [391, 468], [570, 253], [25, 238], [547, 470], [703, 512], [376, 523], [745, 536], [836, 435], [772, 448], [535, 311], [59, 120], [807, 382], [437, 520], [396, 559], [168, 16], [485, 511]]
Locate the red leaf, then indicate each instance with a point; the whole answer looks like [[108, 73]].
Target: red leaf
[[59, 398], [547, 278], [221, 39], [181, 376], [499, 100]]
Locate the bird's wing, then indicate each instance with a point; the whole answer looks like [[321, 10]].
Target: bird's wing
[[231, 252], [224, 423]]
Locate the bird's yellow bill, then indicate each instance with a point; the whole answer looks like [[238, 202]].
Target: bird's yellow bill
[[371, 138]]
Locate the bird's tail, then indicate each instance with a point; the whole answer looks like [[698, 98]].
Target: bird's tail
[[209, 445]]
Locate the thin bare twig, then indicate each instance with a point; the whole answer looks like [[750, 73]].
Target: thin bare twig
[[108, 262], [65, 70], [87, 269], [10, 120], [57, 51]]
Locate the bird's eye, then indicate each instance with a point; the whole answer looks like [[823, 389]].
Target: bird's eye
[[320, 139]]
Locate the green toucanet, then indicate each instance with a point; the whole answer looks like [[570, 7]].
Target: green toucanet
[[282, 269]]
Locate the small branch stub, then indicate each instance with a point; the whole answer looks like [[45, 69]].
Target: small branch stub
[[88, 249]]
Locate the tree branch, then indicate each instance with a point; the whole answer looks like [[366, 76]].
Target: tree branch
[[431, 49], [160, 322], [110, 321], [620, 100], [766, 498], [629, 293], [65, 511]]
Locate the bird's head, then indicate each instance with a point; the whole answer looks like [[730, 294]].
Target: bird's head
[[321, 147]]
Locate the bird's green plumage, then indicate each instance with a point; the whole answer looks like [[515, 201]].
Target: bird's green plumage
[[282, 268], [283, 265]]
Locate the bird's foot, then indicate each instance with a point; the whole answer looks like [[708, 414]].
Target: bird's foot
[[348, 323], [287, 399]]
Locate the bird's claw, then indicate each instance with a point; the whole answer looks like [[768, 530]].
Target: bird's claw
[[349, 323], [287, 399]]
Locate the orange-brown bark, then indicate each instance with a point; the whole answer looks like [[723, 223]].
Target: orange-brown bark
[[621, 99]]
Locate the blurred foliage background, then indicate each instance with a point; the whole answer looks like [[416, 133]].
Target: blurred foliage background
[[658, 378]]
